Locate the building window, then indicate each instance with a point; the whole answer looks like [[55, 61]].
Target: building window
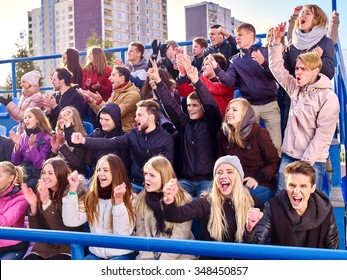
[[157, 6], [127, 27], [119, 25], [119, 36], [118, 15], [127, 17], [118, 5], [127, 8]]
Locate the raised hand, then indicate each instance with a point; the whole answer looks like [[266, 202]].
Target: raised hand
[[49, 103], [258, 57], [211, 60], [193, 74], [88, 82], [74, 181], [318, 50], [96, 86], [54, 143], [32, 141], [297, 10], [253, 217], [170, 189], [153, 72], [118, 62], [16, 138], [77, 138], [279, 32], [43, 192], [118, 193], [30, 197]]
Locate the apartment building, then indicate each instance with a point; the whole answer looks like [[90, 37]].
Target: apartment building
[[59, 24], [208, 14]]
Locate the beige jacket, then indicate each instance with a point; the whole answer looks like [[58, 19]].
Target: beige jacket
[[126, 98], [313, 115]]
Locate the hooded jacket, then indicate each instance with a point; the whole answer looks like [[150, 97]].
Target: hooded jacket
[[126, 98], [93, 155], [313, 115], [283, 225]]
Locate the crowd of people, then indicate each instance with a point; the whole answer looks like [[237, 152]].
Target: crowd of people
[[173, 145]]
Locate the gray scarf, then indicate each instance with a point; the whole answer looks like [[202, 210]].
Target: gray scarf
[[305, 41]]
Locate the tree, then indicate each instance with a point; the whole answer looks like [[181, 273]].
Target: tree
[[23, 50], [94, 40]]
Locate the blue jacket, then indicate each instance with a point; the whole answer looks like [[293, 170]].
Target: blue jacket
[[256, 82]]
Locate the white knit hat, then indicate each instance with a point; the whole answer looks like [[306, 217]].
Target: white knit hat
[[32, 77], [232, 160]]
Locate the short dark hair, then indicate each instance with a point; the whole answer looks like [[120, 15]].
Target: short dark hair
[[300, 167], [202, 42], [215, 26], [123, 72], [64, 74], [151, 106]]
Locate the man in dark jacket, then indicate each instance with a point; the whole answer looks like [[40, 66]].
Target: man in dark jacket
[[300, 215], [67, 96], [197, 129], [146, 140]]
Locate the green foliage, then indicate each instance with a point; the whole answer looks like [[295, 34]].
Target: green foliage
[[21, 67], [95, 40]]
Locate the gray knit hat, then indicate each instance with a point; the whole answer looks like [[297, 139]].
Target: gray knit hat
[[232, 160]]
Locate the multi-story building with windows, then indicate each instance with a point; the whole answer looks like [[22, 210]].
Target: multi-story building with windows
[[208, 14], [59, 24]]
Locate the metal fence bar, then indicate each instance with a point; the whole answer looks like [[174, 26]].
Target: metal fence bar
[[201, 248]]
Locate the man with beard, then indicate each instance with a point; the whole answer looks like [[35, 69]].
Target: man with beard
[[67, 96], [144, 141]]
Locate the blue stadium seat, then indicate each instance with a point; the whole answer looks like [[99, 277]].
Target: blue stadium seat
[[3, 112], [3, 130], [15, 128], [88, 127]]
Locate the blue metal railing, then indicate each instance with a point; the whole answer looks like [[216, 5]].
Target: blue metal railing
[[193, 247]]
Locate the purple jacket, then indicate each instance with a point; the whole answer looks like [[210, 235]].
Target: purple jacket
[[37, 155], [13, 207]]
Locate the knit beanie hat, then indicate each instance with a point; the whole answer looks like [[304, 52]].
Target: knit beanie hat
[[232, 160], [32, 77]]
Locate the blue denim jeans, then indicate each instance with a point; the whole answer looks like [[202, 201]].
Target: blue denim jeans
[[319, 167], [130, 256], [195, 188], [264, 193]]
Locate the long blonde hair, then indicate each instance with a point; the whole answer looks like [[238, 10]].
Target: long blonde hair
[[163, 166], [241, 199], [119, 175], [232, 133]]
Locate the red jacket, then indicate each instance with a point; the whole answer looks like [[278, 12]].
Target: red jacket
[[105, 89], [221, 93]]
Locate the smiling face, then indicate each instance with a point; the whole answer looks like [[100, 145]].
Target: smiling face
[[226, 178], [194, 109], [133, 55], [104, 173], [215, 36], [306, 20], [299, 189], [106, 122], [303, 75], [153, 182], [30, 120], [49, 178], [234, 114], [207, 70]]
